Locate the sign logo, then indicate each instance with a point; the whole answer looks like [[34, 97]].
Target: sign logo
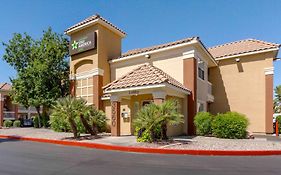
[[74, 45], [83, 43]]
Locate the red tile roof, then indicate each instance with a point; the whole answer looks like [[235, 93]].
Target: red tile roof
[[92, 18], [5, 86], [144, 75], [156, 47], [241, 47]]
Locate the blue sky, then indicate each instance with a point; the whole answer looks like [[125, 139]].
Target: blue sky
[[148, 22]]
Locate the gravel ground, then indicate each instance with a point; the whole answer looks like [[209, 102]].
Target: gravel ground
[[212, 143], [194, 143]]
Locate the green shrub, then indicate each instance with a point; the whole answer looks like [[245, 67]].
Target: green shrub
[[17, 123], [230, 125], [203, 123], [59, 124], [8, 123], [144, 135]]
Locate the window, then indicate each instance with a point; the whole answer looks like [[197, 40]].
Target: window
[[84, 89], [201, 69]]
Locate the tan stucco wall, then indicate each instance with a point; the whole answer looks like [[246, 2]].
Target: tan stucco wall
[[125, 123], [109, 47], [241, 87], [169, 61], [107, 110]]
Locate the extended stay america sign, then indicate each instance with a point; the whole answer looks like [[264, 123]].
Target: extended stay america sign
[[82, 43]]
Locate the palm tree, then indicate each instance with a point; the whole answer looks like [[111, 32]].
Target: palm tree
[[169, 115], [152, 116], [65, 108], [98, 120], [84, 113], [146, 120]]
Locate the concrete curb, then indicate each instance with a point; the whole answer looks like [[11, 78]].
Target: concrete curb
[[149, 150]]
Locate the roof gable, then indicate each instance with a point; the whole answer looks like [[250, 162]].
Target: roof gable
[[144, 75], [241, 47], [92, 19]]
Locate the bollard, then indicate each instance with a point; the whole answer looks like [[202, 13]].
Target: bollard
[[276, 129]]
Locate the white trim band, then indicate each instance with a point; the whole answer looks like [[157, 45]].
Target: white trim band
[[87, 74], [269, 71]]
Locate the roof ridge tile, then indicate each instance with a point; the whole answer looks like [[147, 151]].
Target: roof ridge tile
[[158, 46]]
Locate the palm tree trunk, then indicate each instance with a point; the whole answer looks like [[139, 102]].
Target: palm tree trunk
[[73, 127], [95, 128], [86, 125], [164, 131], [152, 135]]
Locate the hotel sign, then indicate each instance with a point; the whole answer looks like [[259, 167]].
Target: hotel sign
[[82, 43]]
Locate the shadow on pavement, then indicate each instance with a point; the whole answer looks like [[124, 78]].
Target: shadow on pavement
[[8, 140]]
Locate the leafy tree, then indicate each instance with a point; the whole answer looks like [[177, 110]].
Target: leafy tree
[[42, 69], [277, 100]]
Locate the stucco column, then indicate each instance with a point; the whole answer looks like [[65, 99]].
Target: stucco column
[[159, 97], [190, 82], [1, 109], [115, 115], [269, 99], [97, 91]]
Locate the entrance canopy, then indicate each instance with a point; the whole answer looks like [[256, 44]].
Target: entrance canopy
[[145, 77]]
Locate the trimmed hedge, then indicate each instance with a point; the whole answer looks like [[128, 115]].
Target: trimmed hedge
[[8, 123], [231, 125], [17, 123], [203, 123]]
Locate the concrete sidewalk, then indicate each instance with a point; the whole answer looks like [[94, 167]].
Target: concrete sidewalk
[[43, 133]]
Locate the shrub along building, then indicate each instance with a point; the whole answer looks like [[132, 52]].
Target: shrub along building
[[236, 76]]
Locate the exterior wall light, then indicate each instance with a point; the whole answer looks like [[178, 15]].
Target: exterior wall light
[[147, 56], [237, 60]]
